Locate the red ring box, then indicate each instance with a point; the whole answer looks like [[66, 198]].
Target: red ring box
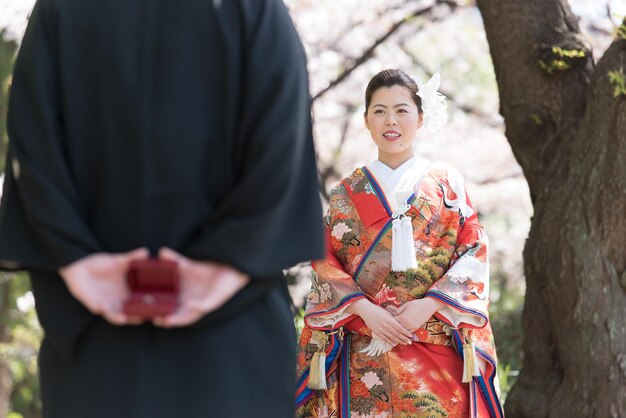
[[154, 288]]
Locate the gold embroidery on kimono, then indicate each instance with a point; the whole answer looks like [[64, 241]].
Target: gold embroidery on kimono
[[424, 378]]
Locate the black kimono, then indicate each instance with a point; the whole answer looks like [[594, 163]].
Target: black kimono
[[162, 123]]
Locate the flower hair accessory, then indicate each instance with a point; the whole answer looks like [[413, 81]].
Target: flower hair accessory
[[434, 103]]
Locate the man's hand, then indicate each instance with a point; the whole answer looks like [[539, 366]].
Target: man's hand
[[204, 287], [98, 281], [414, 314]]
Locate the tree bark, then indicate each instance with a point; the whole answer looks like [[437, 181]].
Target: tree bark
[[568, 132]]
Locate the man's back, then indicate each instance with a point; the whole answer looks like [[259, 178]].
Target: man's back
[[159, 110], [152, 123]]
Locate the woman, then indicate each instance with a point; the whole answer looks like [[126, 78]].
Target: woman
[[396, 322]]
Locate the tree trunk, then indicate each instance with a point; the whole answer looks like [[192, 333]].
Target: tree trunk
[[568, 133]]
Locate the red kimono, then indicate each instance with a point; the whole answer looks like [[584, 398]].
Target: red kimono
[[423, 379]]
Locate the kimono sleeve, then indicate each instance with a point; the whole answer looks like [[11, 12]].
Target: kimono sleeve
[[270, 218], [332, 291], [464, 288], [39, 186]]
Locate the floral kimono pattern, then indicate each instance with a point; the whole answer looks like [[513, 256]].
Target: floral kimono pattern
[[422, 379]]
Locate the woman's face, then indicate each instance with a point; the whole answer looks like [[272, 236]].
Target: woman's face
[[393, 121]]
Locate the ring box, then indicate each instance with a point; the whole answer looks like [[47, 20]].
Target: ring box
[[154, 288]]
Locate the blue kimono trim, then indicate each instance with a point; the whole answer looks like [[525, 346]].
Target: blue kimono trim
[[342, 302], [458, 345], [306, 393], [344, 394], [380, 235], [488, 358], [377, 189], [450, 301], [371, 249], [487, 398]]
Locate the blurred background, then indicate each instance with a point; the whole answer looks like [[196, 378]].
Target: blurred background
[[347, 42]]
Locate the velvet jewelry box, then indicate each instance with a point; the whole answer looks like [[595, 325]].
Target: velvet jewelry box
[[153, 286]]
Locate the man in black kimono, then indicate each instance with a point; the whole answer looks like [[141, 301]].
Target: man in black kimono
[[181, 128]]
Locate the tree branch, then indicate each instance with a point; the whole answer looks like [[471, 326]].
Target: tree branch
[[328, 44], [330, 170], [474, 111], [368, 53]]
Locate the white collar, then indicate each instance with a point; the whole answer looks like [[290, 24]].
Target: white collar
[[383, 169], [400, 183]]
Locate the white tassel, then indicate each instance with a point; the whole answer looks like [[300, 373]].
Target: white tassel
[[470, 362], [317, 372], [476, 363], [408, 244], [397, 261], [402, 244]]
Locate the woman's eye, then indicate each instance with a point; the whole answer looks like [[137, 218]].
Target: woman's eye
[[378, 111], [402, 111]]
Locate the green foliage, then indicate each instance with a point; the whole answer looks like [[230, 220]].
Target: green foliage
[[618, 81], [620, 31], [505, 313], [560, 59], [568, 53], [298, 320], [506, 377], [20, 332], [20, 345], [7, 53], [536, 119], [554, 65]]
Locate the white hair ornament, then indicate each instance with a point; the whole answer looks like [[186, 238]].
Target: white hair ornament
[[434, 104]]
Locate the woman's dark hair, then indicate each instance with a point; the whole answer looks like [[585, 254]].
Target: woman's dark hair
[[390, 78]]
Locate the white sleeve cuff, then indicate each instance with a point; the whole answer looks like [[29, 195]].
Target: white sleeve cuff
[[456, 317], [329, 320]]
